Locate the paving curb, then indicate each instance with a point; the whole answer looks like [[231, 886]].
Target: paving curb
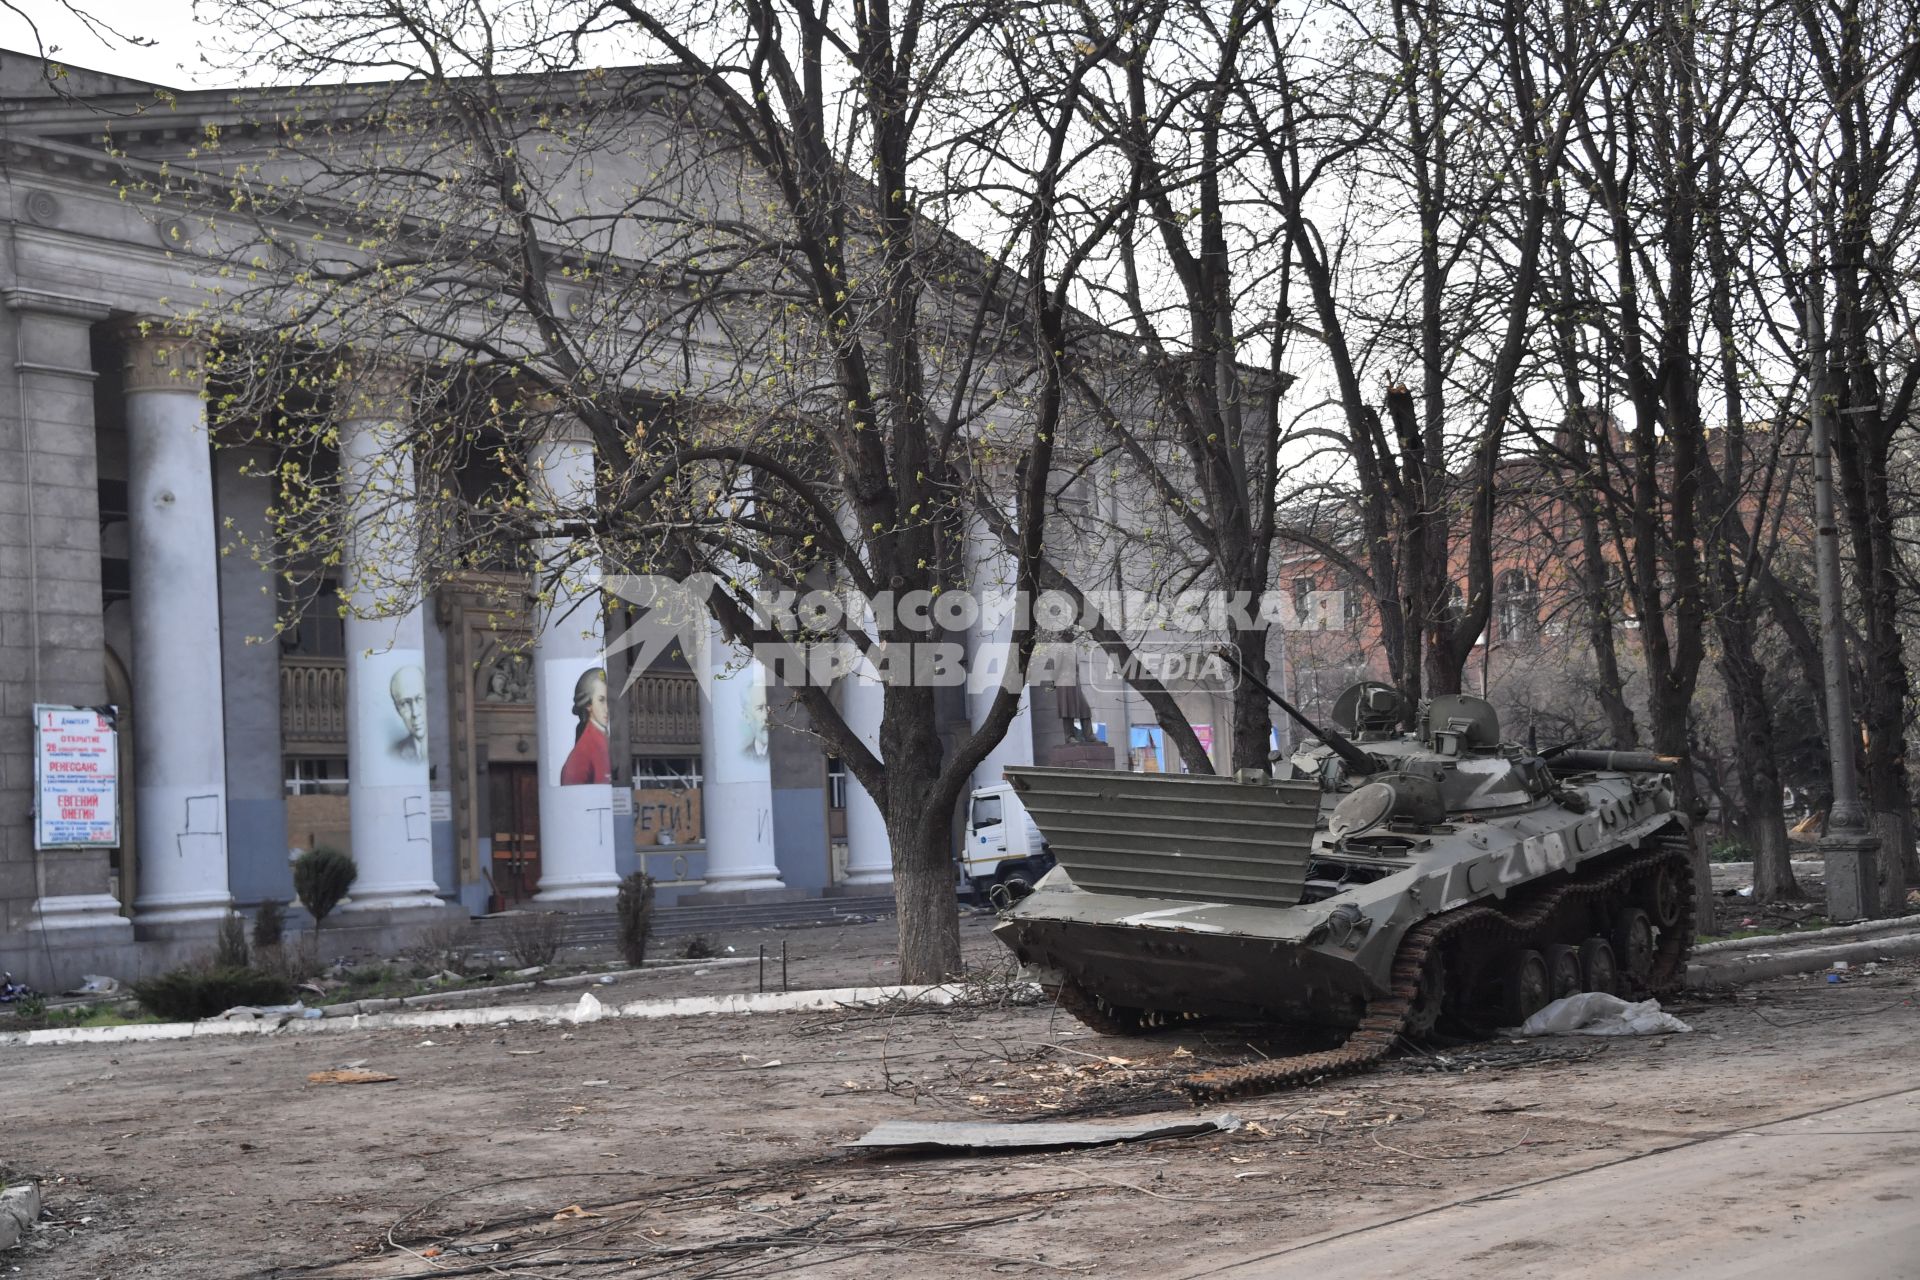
[[1731, 970], [588, 1008], [428, 999], [19, 1210], [1833, 933]]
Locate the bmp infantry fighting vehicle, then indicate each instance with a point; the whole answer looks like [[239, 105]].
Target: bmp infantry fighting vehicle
[[1382, 884]]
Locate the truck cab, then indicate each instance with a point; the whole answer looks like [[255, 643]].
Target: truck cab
[[1003, 851]]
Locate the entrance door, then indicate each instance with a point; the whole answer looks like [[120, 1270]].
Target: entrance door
[[513, 800]]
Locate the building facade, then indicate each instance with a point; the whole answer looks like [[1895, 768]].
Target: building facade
[[464, 754]]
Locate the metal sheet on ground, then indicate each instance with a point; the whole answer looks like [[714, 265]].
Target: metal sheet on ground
[[922, 1135]]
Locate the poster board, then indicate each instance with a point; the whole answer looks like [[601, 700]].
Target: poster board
[[76, 755]]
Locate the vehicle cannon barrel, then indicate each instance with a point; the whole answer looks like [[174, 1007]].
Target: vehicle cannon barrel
[[1613, 761]]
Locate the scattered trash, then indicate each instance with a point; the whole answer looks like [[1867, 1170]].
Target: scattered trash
[[1869, 968], [1834, 978], [426, 1044], [573, 1211], [11, 991], [1595, 1013], [588, 1010], [589, 1084], [1745, 892], [255, 1012], [1841, 966], [350, 1075], [605, 979], [925, 1135], [95, 984]]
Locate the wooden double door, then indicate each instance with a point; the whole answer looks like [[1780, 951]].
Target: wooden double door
[[513, 807]]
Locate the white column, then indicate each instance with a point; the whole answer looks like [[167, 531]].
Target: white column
[[990, 573], [387, 758], [571, 702], [736, 794], [180, 764], [869, 851]]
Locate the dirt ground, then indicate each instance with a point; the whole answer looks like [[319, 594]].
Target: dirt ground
[[714, 1146]]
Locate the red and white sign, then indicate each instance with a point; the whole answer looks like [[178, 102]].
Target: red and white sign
[[78, 755]]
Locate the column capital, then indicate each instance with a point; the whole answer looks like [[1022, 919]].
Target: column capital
[[159, 358], [41, 302], [546, 409], [374, 385]]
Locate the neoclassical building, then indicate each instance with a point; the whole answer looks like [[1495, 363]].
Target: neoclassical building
[[457, 751]]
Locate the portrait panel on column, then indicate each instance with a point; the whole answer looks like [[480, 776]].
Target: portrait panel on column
[[573, 701], [391, 698]]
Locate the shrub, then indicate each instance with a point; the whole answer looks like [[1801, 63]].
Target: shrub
[[533, 937], [294, 959], [230, 944], [187, 995], [269, 924], [699, 947], [322, 877], [448, 945], [634, 907]]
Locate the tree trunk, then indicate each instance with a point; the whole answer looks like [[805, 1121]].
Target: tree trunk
[[1668, 721], [1755, 759], [923, 885], [1251, 720], [1896, 851]]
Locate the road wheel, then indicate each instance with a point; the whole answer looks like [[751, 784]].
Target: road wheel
[[1527, 987], [1563, 970], [1429, 999], [1633, 944], [1662, 896], [1598, 969], [1098, 1013]]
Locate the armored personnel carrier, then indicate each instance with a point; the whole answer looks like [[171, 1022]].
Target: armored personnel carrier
[[1382, 884]]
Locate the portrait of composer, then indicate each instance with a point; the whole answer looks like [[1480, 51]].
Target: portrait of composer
[[409, 690], [589, 762]]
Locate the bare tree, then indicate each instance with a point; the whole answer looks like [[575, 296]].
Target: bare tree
[[1447, 129]]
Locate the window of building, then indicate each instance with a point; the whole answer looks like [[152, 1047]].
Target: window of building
[[836, 783], [666, 771], [1302, 586], [316, 775], [1518, 597], [1355, 605], [315, 628]]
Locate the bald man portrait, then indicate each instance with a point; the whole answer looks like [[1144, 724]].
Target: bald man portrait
[[409, 690]]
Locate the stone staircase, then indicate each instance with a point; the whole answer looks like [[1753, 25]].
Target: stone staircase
[[598, 928]]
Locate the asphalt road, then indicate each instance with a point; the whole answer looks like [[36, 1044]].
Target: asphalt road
[[1833, 1193]]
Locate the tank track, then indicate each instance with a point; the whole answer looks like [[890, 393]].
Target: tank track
[[1478, 922], [1108, 1019]]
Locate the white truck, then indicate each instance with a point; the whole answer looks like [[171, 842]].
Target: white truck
[[1003, 849]]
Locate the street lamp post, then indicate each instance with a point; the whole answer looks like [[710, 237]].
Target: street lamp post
[[1850, 847]]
